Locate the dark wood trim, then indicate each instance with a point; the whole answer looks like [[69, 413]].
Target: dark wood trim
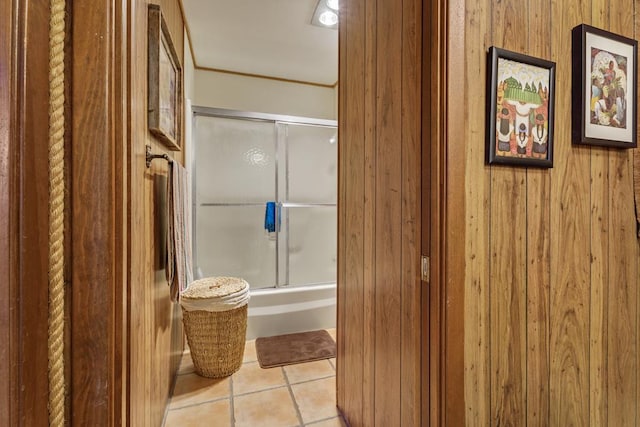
[[8, 369], [430, 147], [97, 199], [29, 217]]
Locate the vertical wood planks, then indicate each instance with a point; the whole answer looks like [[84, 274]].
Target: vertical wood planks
[[370, 160], [380, 180], [623, 275], [156, 339], [600, 237], [8, 351], [354, 182], [562, 295], [539, 229], [508, 224], [388, 226], [411, 216], [477, 359], [570, 261]]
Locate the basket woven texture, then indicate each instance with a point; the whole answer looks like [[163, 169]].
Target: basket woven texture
[[216, 340]]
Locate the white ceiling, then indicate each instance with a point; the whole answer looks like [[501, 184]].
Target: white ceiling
[[273, 38]]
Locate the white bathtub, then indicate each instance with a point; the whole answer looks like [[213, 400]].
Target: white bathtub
[[276, 311]]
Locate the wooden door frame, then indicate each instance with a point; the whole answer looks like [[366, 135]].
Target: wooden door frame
[[24, 50], [8, 369], [99, 210], [442, 200], [95, 271]]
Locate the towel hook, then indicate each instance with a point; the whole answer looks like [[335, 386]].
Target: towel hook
[[151, 156]]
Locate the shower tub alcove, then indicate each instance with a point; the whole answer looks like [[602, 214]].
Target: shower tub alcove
[[241, 162]]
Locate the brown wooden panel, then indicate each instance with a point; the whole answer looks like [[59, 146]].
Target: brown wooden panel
[[538, 255], [31, 123], [450, 348], [370, 200], [156, 339], [477, 189], [354, 181], [410, 308], [388, 226], [570, 262], [341, 366], [508, 252], [580, 263], [97, 270], [430, 42], [139, 340], [379, 182], [623, 271], [600, 278], [8, 234]]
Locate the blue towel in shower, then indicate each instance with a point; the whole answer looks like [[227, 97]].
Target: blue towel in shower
[[270, 217]]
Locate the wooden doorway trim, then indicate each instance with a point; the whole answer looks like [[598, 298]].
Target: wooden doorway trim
[[443, 233], [8, 369], [24, 96], [98, 232]]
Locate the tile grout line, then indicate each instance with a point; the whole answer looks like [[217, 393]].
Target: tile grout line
[[232, 411], [293, 397], [312, 423]]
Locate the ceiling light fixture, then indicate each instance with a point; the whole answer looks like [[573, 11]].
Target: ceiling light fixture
[[325, 14], [328, 18]]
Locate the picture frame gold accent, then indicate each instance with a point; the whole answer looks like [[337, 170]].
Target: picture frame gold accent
[[164, 83]]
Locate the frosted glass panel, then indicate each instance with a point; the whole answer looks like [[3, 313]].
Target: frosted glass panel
[[312, 245], [231, 241], [235, 160], [312, 164]]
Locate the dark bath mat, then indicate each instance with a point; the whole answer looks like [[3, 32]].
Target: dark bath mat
[[301, 347]]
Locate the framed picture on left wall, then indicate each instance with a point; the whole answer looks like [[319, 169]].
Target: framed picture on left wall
[[164, 83], [520, 109]]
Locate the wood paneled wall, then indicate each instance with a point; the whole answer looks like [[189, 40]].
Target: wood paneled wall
[[156, 326], [379, 237], [7, 225], [23, 211], [550, 257]]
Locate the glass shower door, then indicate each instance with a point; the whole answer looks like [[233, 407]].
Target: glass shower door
[[235, 174], [308, 190], [240, 165]]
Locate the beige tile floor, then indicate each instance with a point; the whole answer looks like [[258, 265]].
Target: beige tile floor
[[294, 395]]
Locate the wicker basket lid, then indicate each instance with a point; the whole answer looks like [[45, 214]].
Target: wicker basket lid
[[215, 287]]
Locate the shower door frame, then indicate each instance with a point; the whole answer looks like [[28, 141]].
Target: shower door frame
[[276, 120]]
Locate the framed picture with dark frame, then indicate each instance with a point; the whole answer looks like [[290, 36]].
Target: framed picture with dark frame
[[164, 83], [603, 86], [520, 96]]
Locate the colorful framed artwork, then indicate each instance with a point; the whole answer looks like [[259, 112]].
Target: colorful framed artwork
[[604, 79], [164, 83], [520, 94]]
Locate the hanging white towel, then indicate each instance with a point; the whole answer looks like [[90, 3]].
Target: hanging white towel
[[178, 267]]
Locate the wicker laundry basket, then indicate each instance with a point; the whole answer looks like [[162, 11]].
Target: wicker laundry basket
[[215, 321]]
